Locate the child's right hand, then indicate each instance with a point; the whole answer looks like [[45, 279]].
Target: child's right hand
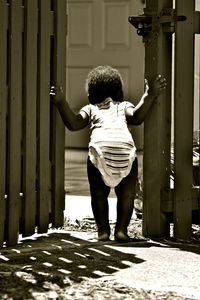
[[56, 94]]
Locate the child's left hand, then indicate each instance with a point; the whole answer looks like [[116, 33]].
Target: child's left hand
[[158, 86]]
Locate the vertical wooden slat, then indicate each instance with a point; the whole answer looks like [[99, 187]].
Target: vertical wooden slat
[[14, 123], [43, 115], [3, 111], [29, 126], [58, 138], [184, 85], [198, 137], [157, 127]]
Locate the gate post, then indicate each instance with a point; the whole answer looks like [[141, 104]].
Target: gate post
[[157, 126], [58, 130], [184, 85], [3, 112]]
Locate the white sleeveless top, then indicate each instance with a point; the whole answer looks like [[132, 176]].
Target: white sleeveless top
[[111, 147]]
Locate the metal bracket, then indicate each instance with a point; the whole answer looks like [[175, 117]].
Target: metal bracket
[[197, 22], [151, 21]]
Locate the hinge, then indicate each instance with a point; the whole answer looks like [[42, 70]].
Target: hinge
[[197, 22], [152, 22]]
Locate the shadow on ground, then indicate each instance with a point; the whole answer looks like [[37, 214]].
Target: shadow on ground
[[56, 258], [60, 264]]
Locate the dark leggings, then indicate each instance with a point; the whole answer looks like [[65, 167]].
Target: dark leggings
[[125, 192]]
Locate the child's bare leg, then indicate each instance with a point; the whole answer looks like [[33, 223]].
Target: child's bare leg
[[99, 200], [125, 192], [100, 212]]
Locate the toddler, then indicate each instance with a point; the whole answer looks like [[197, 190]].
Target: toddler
[[112, 160]]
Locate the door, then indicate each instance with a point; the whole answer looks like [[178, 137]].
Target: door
[[99, 34]]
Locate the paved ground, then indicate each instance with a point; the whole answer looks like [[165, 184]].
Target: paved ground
[[156, 266], [150, 265], [69, 264]]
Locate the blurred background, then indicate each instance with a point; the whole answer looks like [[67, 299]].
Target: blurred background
[[99, 34]]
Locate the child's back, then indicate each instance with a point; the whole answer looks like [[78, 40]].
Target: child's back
[[111, 146]]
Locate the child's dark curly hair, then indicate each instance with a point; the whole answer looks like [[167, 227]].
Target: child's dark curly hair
[[103, 82]]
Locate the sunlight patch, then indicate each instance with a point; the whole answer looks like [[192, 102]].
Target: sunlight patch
[[57, 246], [82, 267], [114, 268], [65, 259], [79, 254], [4, 258], [126, 262], [33, 258], [99, 251], [70, 242], [47, 264], [43, 273], [99, 273], [26, 277], [16, 250], [46, 252], [64, 271]]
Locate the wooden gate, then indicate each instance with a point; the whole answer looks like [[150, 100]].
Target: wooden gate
[[166, 26], [32, 57]]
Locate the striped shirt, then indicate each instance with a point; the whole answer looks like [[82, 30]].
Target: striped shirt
[[111, 147]]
